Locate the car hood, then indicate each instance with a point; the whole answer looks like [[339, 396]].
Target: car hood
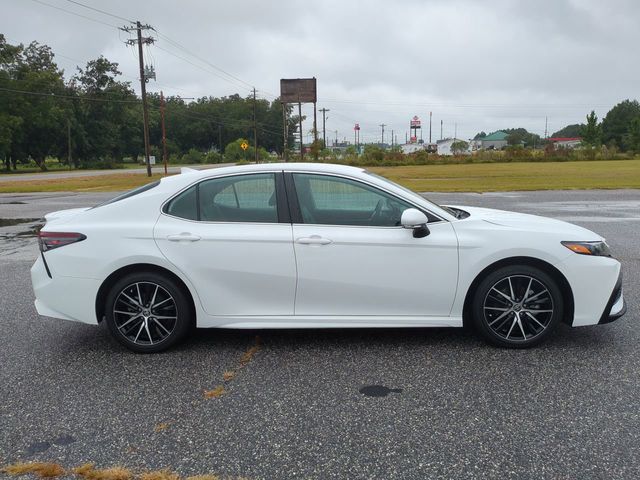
[[532, 223]]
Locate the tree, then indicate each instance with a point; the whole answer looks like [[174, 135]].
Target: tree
[[109, 125], [520, 136], [31, 126], [480, 136], [570, 131], [592, 131], [615, 125], [633, 136], [459, 146]]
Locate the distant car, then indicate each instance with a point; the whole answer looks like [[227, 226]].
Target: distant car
[[315, 246]]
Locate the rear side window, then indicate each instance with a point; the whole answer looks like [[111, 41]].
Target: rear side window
[[242, 198], [130, 193], [184, 205], [245, 198]]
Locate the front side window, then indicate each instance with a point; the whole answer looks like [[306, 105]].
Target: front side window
[[243, 198], [327, 200]]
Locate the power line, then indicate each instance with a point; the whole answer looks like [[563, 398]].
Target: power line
[[201, 67], [76, 14], [186, 50], [468, 105], [70, 97], [100, 11]]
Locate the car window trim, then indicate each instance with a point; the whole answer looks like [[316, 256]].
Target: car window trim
[[296, 213], [282, 206]]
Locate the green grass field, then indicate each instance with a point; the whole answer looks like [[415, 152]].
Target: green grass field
[[492, 177], [485, 177]]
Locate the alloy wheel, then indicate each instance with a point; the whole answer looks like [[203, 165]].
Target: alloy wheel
[[145, 313], [518, 308]]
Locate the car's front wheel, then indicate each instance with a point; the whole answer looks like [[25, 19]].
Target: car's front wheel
[[517, 306], [147, 312]]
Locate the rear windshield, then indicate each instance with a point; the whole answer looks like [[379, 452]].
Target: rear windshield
[[130, 193]]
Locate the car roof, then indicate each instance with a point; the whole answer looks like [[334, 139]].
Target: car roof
[[294, 166]]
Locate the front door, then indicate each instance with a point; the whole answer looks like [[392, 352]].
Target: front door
[[354, 258]]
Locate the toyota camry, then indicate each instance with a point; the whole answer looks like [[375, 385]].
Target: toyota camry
[[315, 246]]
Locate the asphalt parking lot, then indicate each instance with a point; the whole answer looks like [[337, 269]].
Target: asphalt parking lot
[[454, 407]]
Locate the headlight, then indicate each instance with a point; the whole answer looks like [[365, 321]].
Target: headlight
[[597, 249]]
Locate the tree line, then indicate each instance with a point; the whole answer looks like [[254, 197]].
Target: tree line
[[619, 130], [94, 119]]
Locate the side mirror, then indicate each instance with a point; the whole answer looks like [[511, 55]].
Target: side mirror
[[416, 220]]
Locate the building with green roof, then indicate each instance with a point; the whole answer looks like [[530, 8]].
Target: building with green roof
[[495, 141]]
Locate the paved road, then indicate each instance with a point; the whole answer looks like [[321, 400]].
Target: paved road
[[566, 410], [54, 175]]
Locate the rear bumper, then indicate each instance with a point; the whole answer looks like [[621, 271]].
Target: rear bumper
[[616, 306], [67, 298]]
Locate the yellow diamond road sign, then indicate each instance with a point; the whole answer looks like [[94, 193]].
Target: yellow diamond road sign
[[244, 145]]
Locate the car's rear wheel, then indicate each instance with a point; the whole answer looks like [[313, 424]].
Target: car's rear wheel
[[517, 306], [147, 312]]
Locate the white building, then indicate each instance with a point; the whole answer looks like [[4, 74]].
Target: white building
[[444, 146]]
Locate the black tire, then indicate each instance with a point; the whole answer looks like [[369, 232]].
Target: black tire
[[517, 306], [157, 328]]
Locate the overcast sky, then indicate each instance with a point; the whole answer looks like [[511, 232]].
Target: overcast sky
[[483, 65]]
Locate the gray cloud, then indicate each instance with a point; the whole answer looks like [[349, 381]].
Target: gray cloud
[[482, 65]]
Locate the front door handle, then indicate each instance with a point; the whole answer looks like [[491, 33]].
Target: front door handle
[[183, 237], [313, 240]]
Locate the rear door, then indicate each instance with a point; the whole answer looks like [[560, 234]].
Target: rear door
[[231, 236], [354, 258]]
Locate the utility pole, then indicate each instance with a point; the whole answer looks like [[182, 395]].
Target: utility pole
[[391, 139], [336, 144], [300, 129], [382, 125], [143, 83], [545, 127], [255, 127], [285, 133], [315, 132], [69, 143], [324, 119], [441, 129], [164, 133], [455, 131], [430, 118]]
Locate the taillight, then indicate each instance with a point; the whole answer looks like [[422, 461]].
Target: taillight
[[50, 240]]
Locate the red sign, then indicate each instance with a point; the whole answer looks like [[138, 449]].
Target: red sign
[[414, 139], [415, 122], [357, 127]]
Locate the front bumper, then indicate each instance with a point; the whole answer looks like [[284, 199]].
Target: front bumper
[[616, 306]]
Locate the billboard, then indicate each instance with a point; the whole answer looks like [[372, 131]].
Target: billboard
[[415, 122], [294, 90]]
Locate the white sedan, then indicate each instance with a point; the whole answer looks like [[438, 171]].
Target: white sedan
[[315, 246]]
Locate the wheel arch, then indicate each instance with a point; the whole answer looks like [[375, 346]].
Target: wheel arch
[[108, 283], [563, 284]]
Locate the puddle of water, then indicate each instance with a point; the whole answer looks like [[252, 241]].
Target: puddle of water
[[23, 228], [378, 390], [10, 222]]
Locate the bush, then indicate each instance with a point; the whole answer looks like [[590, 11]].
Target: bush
[[192, 156], [213, 157]]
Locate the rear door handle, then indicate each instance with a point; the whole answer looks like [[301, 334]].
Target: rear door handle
[[313, 240], [183, 237]]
